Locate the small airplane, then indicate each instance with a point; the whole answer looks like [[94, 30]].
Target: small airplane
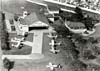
[[52, 66], [53, 43], [13, 40], [53, 50], [52, 36], [17, 45], [18, 39]]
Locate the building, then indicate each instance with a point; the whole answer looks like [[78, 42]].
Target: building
[[35, 21]]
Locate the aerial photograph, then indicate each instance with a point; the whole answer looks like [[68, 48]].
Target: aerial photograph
[[49, 35]]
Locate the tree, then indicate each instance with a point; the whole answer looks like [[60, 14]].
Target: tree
[[93, 40], [1, 62], [88, 55], [61, 29], [16, 17], [79, 38], [79, 14], [8, 64], [93, 67], [4, 35], [96, 50], [77, 65], [88, 22]]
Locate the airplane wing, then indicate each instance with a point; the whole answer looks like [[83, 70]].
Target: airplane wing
[[54, 51], [18, 44], [12, 40], [50, 44], [58, 43], [52, 47], [50, 36]]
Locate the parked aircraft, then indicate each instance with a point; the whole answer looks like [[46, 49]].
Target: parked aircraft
[[53, 50], [52, 36], [53, 43], [53, 66]]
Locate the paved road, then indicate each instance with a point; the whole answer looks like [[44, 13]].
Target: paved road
[[37, 43]]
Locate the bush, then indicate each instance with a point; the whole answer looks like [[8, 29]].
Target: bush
[[93, 67], [8, 64], [96, 50], [93, 40], [4, 34], [77, 65], [61, 30], [88, 55]]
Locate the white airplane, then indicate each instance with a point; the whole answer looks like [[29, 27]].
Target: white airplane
[[18, 39], [52, 66], [13, 40], [53, 43], [17, 45], [54, 50], [52, 36]]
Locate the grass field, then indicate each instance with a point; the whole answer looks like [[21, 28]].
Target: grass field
[[25, 50]]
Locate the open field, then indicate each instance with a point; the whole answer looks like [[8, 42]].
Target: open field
[[25, 50]]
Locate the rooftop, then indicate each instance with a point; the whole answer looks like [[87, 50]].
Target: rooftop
[[34, 17]]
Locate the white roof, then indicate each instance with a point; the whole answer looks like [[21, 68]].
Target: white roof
[[38, 24]]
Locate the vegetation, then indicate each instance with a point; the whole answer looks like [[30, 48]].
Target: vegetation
[[4, 34], [26, 50], [77, 65], [60, 28], [93, 67], [78, 48], [8, 64], [87, 19]]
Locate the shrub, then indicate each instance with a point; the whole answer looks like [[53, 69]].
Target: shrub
[[88, 55], [93, 67], [4, 34], [77, 65], [7, 64]]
